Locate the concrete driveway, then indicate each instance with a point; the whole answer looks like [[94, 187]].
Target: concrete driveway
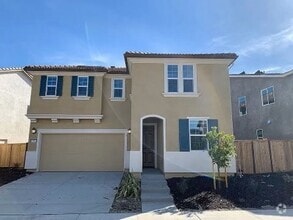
[[60, 193]]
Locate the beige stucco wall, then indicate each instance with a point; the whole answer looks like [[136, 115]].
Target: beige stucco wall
[[65, 104], [15, 93], [147, 99], [83, 152], [116, 114]]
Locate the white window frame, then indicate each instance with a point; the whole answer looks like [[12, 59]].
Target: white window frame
[[174, 78], [240, 113], [180, 81], [266, 89], [257, 137], [197, 135], [113, 89], [78, 86], [190, 78], [46, 94]]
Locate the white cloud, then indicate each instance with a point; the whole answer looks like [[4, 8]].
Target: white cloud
[[101, 58], [267, 44], [219, 41]]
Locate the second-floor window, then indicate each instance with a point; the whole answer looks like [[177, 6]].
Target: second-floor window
[[118, 89], [172, 78], [51, 86], [180, 79], [82, 85], [267, 96], [242, 105]]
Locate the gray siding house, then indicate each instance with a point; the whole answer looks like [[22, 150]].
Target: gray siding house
[[262, 106]]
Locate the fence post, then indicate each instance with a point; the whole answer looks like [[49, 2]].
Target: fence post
[[253, 158], [10, 155], [271, 158]]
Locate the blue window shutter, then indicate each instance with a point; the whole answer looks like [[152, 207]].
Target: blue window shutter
[[43, 85], [74, 86], [91, 86], [59, 85], [184, 134], [212, 123]]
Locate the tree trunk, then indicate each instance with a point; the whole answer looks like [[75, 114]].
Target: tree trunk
[[219, 177], [214, 177], [226, 178]]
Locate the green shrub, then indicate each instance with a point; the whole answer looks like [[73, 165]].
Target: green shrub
[[130, 186]]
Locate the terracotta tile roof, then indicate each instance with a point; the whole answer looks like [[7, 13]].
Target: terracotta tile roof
[[67, 68], [182, 55], [117, 70]]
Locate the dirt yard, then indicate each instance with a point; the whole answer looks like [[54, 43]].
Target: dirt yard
[[8, 175], [247, 191]]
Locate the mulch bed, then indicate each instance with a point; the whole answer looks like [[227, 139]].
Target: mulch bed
[[247, 191], [121, 205], [8, 175]]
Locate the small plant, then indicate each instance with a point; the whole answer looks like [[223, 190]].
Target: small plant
[[130, 186], [221, 150]]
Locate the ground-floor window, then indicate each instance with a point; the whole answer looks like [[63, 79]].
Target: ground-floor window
[[259, 134], [197, 133]]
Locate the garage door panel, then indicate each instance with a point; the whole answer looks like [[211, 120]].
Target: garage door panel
[[82, 152]]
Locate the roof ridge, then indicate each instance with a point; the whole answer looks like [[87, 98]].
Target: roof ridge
[[10, 68], [181, 55]]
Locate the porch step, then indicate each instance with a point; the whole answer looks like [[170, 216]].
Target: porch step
[[153, 189], [157, 197], [155, 193]]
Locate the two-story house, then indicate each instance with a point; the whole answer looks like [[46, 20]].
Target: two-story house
[[262, 105], [154, 113]]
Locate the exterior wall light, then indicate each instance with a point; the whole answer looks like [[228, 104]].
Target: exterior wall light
[[129, 131], [34, 130]]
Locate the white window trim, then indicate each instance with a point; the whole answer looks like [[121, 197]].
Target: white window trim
[[51, 96], [113, 88], [77, 97], [180, 82], [240, 114], [197, 135], [267, 95], [257, 135]]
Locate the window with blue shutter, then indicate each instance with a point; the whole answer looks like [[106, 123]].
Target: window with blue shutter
[[91, 86], [184, 134], [192, 133], [59, 85], [43, 83], [74, 86]]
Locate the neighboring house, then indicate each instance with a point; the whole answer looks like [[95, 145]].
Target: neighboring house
[[15, 97], [153, 113], [262, 106]]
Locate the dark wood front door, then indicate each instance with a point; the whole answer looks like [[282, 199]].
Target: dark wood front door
[[148, 146]]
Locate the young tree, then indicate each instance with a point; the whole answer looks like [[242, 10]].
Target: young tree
[[221, 150]]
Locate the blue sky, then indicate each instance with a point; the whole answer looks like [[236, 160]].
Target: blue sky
[[92, 32]]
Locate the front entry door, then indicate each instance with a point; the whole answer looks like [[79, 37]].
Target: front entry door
[[148, 146]]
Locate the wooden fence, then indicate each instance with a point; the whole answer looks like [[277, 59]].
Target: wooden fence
[[264, 156], [12, 155]]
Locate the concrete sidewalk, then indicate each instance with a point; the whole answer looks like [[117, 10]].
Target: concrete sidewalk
[[165, 214]]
